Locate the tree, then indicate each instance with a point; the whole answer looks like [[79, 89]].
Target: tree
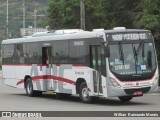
[[99, 13], [64, 14], [120, 13], [150, 17]]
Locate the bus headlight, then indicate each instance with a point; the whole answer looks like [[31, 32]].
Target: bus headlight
[[114, 82], [155, 81]]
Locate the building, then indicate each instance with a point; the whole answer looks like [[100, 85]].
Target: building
[[30, 30]]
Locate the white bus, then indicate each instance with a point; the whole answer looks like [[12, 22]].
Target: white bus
[[102, 63]]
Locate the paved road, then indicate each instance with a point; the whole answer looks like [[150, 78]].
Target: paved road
[[14, 99]]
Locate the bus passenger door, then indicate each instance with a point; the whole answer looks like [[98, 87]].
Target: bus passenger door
[[47, 61], [96, 64]]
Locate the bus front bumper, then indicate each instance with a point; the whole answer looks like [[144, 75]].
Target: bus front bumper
[[131, 91]]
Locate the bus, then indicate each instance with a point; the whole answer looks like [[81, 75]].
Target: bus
[[118, 63]]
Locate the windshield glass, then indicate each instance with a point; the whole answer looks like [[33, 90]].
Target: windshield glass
[[132, 58]]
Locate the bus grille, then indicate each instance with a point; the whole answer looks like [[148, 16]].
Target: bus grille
[[131, 91]]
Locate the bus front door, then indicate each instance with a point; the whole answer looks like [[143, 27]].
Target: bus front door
[[96, 64], [47, 61]]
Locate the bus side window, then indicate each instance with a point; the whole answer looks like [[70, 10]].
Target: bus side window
[[61, 52], [33, 53], [18, 53], [8, 54], [78, 53]]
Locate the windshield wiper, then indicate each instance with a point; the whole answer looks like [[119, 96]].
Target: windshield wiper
[[140, 47], [121, 52]]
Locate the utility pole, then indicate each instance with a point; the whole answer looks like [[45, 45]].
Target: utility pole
[[7, 22], [24, 14], [35, 17], [82, 13]]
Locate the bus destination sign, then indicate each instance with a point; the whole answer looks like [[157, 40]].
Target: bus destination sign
[[129, 36]]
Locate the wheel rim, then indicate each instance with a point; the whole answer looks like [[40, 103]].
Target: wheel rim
[[85, 93], [29, 87]]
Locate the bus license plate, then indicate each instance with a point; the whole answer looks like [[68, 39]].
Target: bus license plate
[[136, 93]]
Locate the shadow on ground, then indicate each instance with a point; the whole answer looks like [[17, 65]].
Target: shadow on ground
[[97, 101]]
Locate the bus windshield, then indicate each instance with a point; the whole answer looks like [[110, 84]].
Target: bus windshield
[[132, 58]]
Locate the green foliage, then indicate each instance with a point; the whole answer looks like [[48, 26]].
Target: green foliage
[[99, 13], [63, 14], [66, 14], [150, 17], [143, 14], [106, 14], [94, 14]]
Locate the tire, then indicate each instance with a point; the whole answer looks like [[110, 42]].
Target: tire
[[83, 93], [29, 89], [125, 98]]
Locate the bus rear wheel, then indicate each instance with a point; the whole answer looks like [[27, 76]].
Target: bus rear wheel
[[125, 98], [29, 89], [84, 93]]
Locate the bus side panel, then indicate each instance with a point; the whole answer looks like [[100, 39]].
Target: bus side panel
[[69, 78], [21, 71], [38, 74], [9, 71], [9, 75], [65, 80], [69, 88], [104, 86]]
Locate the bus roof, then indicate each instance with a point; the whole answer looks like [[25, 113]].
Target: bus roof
[[78, 35], [126, 30]]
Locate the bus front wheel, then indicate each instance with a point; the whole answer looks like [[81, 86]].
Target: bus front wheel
[[29, 89], [125, 98], [84, 93]]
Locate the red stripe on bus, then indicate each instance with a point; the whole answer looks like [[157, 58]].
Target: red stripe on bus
[[22, 64], [16, 65], [54, 78], [20, 82], [78, 65], [35, 78]]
